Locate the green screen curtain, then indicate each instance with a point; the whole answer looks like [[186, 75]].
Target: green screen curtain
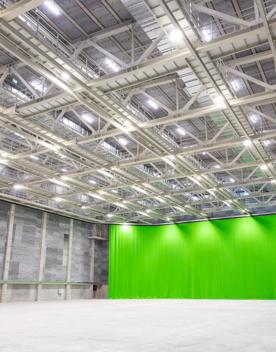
[[232, 259]]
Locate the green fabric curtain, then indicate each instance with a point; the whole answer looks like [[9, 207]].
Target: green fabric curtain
[[233, 258]]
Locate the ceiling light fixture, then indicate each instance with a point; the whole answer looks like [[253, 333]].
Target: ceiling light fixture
[[87, 117], [38, 85], [34, 157], [247, 143], [123, 141], [207, 34], [58, 199], [112, 64], [65, 76], [176, 35], [52, 6], [264, 167], [219, 100], [4, 154], [181, 131], [109, 215], [253, 117], [17, 186], [152, 104], [236, 85]]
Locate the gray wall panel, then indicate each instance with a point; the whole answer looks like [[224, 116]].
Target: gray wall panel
[[25, 252], [81, 254]]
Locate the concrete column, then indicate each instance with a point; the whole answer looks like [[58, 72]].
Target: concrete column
[[8, 249], [42, 255], [92, 266], [69, 261]]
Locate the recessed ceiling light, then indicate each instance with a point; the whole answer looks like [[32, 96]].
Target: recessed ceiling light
[[247, 143], [263, 167], [38, 85], [254, 118], [92, 182], [4, 154], [231, 180], [58, 199], [217, 166], [176, 35], [18, 186], [52, 6], [219, 100], [109, 215], [84, 207], [148, 211], [181, 131], [236, 84], [207, 34], [65, 76], [123, 141], [64, 169], [112, 64], [152, 104], [168, 219], [87, 117], [34, 157]]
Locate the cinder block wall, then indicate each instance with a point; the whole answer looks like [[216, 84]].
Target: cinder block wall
[[44, 256]]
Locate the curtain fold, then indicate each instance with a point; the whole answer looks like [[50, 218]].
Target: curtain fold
[[231, 259]]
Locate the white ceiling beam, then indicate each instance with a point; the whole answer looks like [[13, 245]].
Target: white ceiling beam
[[250, 78], [19, 8], [267, 28], [223, 16], [106, 33], [150, 49]]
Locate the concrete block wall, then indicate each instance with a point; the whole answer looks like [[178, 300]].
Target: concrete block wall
[[44, 256]]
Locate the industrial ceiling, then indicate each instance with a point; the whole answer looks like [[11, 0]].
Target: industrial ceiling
[[139, 111]]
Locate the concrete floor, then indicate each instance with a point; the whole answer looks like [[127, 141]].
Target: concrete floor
[[134, 325]]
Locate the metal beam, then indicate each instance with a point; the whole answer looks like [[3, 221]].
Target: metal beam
[[223, 16], [19, 8], [42, 255]]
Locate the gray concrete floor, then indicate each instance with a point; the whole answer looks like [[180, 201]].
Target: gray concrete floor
[[138, 325]]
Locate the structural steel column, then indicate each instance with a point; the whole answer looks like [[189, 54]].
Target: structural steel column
[[42, 255], [8, 252], [69, 261], [92, 266]]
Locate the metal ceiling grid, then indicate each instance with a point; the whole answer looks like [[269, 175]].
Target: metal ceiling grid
[[139, 111]]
